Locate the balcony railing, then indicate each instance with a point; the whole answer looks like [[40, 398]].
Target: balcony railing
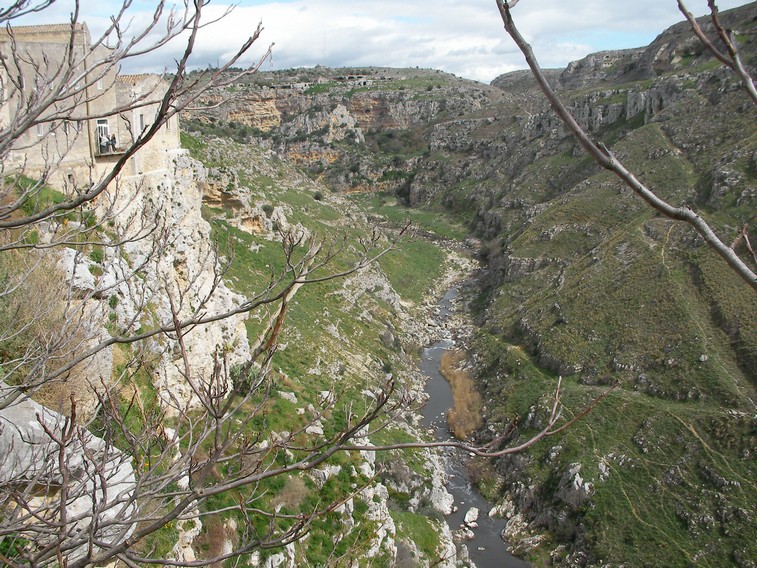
[[105, 151]]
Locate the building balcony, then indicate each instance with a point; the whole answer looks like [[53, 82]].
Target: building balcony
[[105, 154]]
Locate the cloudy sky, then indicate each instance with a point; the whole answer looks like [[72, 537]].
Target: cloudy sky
[[464, 37]]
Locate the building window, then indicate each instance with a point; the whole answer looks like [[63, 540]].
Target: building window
[[100, 84], [168, 125], [40, 130], [141, 122], [103, 135]]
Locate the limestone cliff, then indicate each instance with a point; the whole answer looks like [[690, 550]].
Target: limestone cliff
[[327, 122], [161, 254], [97, 503]]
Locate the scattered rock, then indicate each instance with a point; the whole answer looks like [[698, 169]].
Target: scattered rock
[[471, 517], [290, 396], [572, 489]]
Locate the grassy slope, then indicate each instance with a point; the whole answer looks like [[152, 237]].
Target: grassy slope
[[621, 296], [328, 343], [630, 301]]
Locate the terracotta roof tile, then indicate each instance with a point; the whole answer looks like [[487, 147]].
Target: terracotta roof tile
[[133, 79], [44, 28]]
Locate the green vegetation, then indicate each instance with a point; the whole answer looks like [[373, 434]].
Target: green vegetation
[[241, 133], [437, 222], [192, 143], [418, 529], [12, 547], [40, 197], [414, 268], [329, 343], [320, 88], [413, 459], [396, 143], [585, 282]]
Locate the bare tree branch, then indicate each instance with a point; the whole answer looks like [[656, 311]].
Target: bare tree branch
[[550, 429], [605, 158], [732, 59]]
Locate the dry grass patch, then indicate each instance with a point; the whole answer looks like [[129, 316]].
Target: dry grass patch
[[216, 539], [292, 495], [465, 416], [43, 327]]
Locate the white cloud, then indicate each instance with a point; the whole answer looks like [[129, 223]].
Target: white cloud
[[464, 37]]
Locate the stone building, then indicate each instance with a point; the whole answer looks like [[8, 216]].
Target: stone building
[[67, 112]]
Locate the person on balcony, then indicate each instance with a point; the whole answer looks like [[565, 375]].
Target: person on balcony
[[104, 143]]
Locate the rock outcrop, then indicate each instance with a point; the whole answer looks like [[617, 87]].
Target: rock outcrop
[[99, 479], [178, 265]]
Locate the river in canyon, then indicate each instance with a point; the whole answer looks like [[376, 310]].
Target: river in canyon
[[487, 549]]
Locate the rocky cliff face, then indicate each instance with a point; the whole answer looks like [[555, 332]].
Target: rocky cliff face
[[162, 255], [97, 502], [186, 272], [325, 121], [147, 262]]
